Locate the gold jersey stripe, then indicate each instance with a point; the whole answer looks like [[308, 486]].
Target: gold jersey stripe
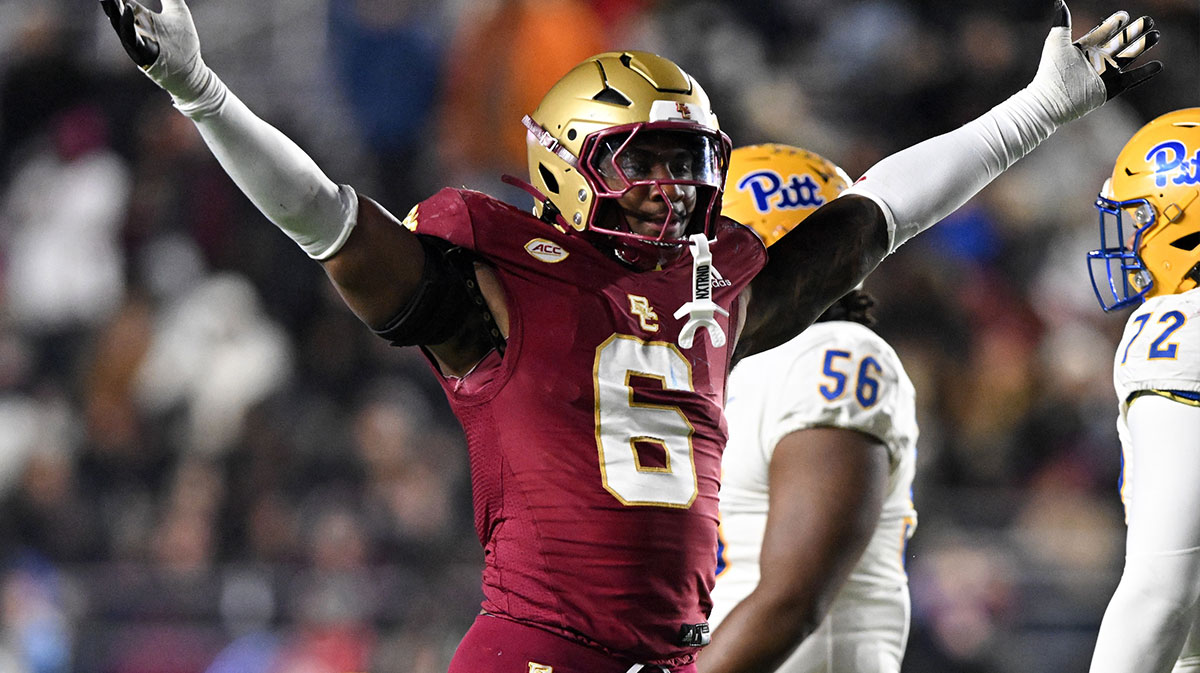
[[1172, 395]]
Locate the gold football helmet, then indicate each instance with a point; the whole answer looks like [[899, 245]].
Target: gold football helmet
[[605, 128], [771, 188], [1155, 183]]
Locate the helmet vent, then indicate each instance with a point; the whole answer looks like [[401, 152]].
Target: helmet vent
[[1189, 242], [611, 95], [548, 178]]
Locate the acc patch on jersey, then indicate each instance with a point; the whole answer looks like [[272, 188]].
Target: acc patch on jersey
[[546, 251]]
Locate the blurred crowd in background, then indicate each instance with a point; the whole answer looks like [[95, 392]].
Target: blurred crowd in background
[[208, 465]]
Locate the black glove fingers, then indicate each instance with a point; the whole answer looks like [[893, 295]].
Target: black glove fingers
[[1127, 36], [1117, 82], [1136, 49], [1062, 15], [113, 12], [122, 14], [1106, 31], [137, 47]]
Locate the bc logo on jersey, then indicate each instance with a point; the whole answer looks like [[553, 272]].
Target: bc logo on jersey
[[797, 192], [640, 307], [1170, 162]]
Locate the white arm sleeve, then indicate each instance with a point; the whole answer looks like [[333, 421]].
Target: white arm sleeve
[[279, 178], [955, 166], [1151, 612]]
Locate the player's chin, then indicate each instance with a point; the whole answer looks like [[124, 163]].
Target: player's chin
[[656, 229]]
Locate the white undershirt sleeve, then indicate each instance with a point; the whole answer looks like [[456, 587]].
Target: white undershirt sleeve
[[919, 186], [278, 177]]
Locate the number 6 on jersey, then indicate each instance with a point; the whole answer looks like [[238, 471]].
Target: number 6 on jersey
[[622, 425]]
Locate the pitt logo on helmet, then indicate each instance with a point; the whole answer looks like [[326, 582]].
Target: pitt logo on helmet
[[797, 192], [546, 251], [774, 187], [1170, 161]]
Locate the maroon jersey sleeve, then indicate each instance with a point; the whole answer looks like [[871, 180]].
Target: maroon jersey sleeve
[[595, 441], [445, 216]]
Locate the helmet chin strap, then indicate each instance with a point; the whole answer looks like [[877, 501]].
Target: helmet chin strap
[[548, 206], [701, 309]]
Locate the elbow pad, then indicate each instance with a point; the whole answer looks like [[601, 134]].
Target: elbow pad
[[441, 303]]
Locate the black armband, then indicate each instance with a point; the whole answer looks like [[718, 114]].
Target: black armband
[[440, 305]]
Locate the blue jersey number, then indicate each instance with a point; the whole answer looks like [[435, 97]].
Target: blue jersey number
[[1160, 349], [866, 386]]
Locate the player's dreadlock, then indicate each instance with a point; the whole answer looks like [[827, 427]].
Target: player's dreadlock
[[854, 306]]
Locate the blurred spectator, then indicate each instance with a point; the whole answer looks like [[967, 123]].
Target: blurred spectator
[[59, 220], [215, 355], [389, 58], [33, 610], [40, 76], [963, 600], [491, 83]]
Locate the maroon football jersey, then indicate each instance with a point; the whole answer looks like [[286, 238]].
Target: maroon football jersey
[[595, 442]]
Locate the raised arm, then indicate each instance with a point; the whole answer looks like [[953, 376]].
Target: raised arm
[[384, 273], [908, 192]]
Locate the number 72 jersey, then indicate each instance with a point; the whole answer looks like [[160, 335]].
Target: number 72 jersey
[[1159, 351]]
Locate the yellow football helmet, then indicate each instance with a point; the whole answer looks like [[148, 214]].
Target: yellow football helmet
[[585, 138], [1155, 182], [772, 188]]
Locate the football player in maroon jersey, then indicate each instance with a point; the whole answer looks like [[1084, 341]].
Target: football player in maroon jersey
[[585, 347]]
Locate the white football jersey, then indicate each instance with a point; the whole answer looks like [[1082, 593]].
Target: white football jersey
[[834, 374], [1160, 350]]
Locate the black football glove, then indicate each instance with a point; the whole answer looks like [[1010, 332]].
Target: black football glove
[[141, 49], [1112, 46], [164, 44]]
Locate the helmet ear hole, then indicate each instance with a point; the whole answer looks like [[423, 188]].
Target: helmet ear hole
[[548, 178]]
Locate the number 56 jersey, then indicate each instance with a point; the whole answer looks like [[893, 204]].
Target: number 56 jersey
[[837, 374], [595, 441]]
